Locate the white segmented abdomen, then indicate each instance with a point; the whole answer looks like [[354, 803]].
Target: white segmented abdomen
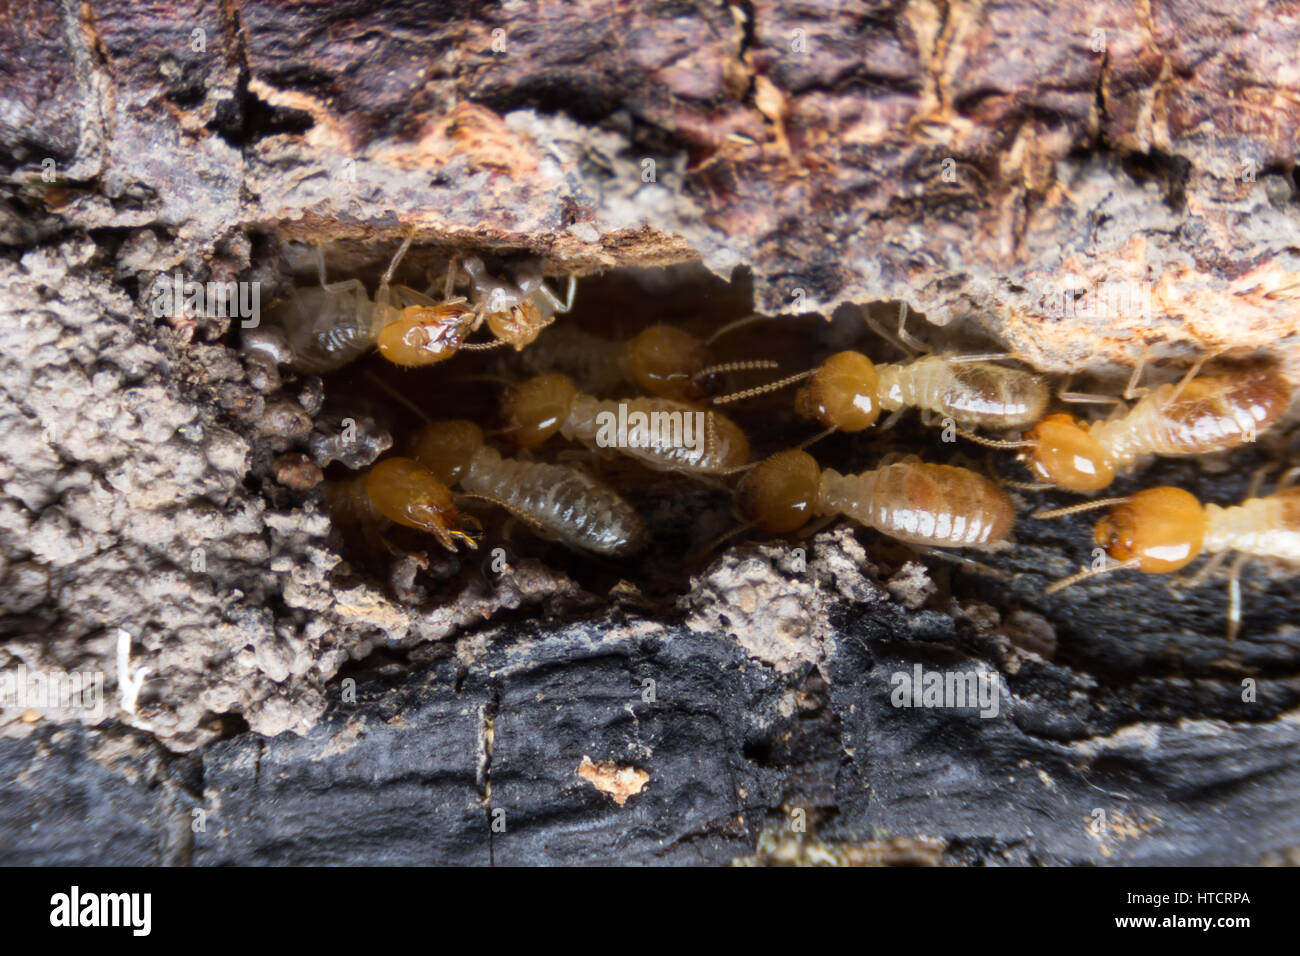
[[327, 330], [935, 505], [1265, 527], [672, 436], [970, 393], [569, 505]]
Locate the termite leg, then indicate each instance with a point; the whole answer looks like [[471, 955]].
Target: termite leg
[[1202, 575], [701, 553], [1234, 596], [397, 259], [1064, 394], [978, 357], [1192, 372], [903, 341], [1132, 390], [1288, 477], [343, 285], [816, 525], [449, 284], [969, 563], [1257, 479], [907, 337], [560, 306], [381, 294], [892, 420]]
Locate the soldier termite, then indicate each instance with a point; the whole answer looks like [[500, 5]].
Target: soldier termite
[[1197, 416], [515, 312], [564, 504], [1161, 530], [847, 391], [402, 491], [936, 506], [332, 325], [662, 434], [428, 332]]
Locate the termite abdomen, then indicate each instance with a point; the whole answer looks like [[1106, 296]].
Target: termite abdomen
[[971, 393], [563, 504], [939, 506], [1217, 412]]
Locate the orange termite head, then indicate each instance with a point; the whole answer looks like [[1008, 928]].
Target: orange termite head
[[425, 335], [664, 361], [1162, 529], [535, 410], [842, 393], [446, 448], [1065, 454], [407, 493], [518, 325], [779, 494]]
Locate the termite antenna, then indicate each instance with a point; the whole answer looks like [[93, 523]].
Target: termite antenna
[[762, 389], [719, 541], [1075, 509], [733, 326], [803, 445], [1085, 573], [991, 442], [397, 396], [753, 366], [484, 346], [512, 509], [1010, 483]]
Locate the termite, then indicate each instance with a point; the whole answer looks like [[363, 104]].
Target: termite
[[698, 441], [662, 360], [847, 392], [1197, 416], [429, 331], [332, 325], [1162, 530], [564, 504], [402, 491], [936, 506], [515, 313]]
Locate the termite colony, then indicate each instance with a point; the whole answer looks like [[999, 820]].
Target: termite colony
[[645, 429]]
